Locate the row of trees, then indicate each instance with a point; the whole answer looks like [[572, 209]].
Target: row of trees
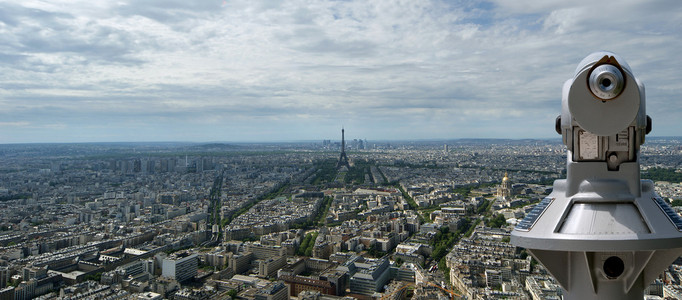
[[306, 247], [444, 238], [356, 174], [662, 174], [275, 192], [408, 198], [326, 171], [319, 215], [322, 211], [215, 201]]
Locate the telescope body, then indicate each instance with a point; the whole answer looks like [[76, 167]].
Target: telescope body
[[603, 233]]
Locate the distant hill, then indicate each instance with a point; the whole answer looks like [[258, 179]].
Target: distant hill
[[505, 141], [216, 147]]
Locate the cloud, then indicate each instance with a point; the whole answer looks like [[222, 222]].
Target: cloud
[[250, 70], [14, 124]]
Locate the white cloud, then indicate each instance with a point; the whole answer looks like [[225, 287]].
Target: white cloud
[[14, 124], [270, 66]]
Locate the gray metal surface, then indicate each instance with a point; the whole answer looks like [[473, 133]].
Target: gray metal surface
[[603, 233]]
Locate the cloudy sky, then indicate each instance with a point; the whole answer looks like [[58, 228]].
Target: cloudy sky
[[275, 70]]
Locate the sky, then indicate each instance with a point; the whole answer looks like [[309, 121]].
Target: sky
[[277, 70]]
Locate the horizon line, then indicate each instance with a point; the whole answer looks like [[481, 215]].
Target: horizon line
[[301, 141]]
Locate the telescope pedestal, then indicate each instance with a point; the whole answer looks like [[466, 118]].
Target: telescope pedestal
[[581, 273], [602, 233]]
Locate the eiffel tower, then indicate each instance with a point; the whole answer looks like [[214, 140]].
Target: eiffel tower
[[343, 159]]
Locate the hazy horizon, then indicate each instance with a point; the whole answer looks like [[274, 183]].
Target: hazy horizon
[[432, 140], [257, 71]]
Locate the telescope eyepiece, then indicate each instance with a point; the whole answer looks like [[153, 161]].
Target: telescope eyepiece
[[606, 82]]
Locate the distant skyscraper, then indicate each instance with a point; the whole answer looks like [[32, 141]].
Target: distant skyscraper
[[343, 159]]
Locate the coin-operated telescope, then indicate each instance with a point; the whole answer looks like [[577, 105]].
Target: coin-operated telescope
[[602, 233]]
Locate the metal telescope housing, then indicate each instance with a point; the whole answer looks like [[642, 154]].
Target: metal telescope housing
[[603, 233]]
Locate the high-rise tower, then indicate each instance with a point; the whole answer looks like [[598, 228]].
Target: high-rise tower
[[343, 159]]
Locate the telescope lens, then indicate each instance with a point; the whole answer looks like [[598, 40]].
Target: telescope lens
[[613, 267], [606, 82]]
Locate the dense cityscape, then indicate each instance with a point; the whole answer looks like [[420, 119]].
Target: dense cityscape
[[381, 220], [190, 150]]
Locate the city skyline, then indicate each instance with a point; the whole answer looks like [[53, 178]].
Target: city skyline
[[260, 71], [167, 221]]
